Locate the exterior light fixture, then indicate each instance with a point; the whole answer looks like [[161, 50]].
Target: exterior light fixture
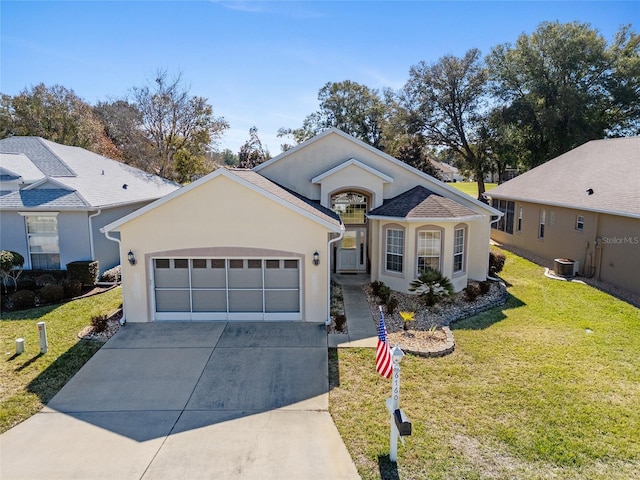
[[131, 257], [316, 258]]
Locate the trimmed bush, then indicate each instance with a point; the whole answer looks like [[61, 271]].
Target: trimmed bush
[[50, 294], [496, 261], [113, 275], [485, 287], [471, 292], [100, 323], [45, 279], [340, 322], [391, 304], [72, 288], [22, 299], [85, 271], [27, 284]]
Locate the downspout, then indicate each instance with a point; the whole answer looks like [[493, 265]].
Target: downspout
[[91, 248], [333, 240], [123, 320]]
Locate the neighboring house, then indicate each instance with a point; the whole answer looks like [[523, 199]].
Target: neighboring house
[[584, 206], [448, 173], [261, 244], [54, 199]]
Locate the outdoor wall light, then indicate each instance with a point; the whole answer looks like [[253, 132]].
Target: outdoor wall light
[[132, 258], [316, 258]]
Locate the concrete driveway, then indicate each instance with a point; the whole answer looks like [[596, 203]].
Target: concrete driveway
[[189, 400]]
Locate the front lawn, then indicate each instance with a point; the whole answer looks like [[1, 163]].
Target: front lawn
[[471, 188], [545, 387], [28, 381]]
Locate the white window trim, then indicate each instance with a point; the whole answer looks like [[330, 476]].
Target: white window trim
[[26, 215], [580, 223], [401, 229], [542, 224], [428, 228], [463, 268]]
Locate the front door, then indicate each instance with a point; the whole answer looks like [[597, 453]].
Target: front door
[[352, 254]]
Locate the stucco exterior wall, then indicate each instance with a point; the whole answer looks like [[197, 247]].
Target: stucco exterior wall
[[608, 247], [476, 258], [222, 214], [13, 233]]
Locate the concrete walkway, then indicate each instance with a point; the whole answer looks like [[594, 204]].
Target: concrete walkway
[[360, 323], [205, 400]]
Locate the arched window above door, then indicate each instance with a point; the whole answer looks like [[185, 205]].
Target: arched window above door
[[351, 206]]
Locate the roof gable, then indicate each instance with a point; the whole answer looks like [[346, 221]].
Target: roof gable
[[610, 169], [255, 182], [352, 163], [37, 150], [420, 203]]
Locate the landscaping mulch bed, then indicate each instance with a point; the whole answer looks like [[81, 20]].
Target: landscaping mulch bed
[[113, 325]]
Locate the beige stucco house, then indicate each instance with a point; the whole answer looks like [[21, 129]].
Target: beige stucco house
[[261, 244], [583, 206]]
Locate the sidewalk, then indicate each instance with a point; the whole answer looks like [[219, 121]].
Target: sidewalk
[[360, 323]]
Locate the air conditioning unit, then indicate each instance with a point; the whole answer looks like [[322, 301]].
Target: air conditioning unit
[[566, 267]]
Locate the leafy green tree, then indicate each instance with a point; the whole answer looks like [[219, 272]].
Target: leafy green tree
[[349, 106], [563, 85], [10, 267], [252, 153], [229, 158], [446, 104], [57, 114], [174, 121]]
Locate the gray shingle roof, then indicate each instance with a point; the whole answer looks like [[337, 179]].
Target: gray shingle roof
[[36, 149], [611, 168], [420, 202], [97, 179], [48, 198], [290, 196]]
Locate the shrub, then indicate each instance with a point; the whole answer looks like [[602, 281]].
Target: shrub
[[432, 287], [10, 267], [391, 304], [113, 275], [45, 279], [471, 292], [22, 299], [85, 271], [100, 323], [50, 294], [72, 288], [27, 284], [341, 320], [496, 261], [485, 287]]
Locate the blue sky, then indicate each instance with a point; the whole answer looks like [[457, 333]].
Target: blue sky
[[261, 63]]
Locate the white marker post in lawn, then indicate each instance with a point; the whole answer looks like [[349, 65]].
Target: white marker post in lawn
[[399, 426]]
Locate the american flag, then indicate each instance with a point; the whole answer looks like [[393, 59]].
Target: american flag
[[384, 364]]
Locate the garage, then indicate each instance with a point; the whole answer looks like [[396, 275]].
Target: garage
[[226, 289]]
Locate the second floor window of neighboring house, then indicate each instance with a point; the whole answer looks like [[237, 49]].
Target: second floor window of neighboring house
[[505, 224], [543, 219], [580, 223], [394, 250], [44, 249]]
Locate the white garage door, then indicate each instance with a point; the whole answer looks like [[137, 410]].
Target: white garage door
[[226, 289]]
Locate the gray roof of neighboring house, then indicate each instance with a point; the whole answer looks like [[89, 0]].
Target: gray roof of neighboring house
[[99, 182], [609, 168], [288, 195], [420, 202]]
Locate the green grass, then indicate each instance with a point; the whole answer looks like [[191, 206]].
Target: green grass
[[28, 381], [527, 394], [471, 188]]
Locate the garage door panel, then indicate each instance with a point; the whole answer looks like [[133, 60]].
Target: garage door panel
[[209, 300], [203, 275], [173, 301], [227, 289], [245, 300], [287, 301]]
